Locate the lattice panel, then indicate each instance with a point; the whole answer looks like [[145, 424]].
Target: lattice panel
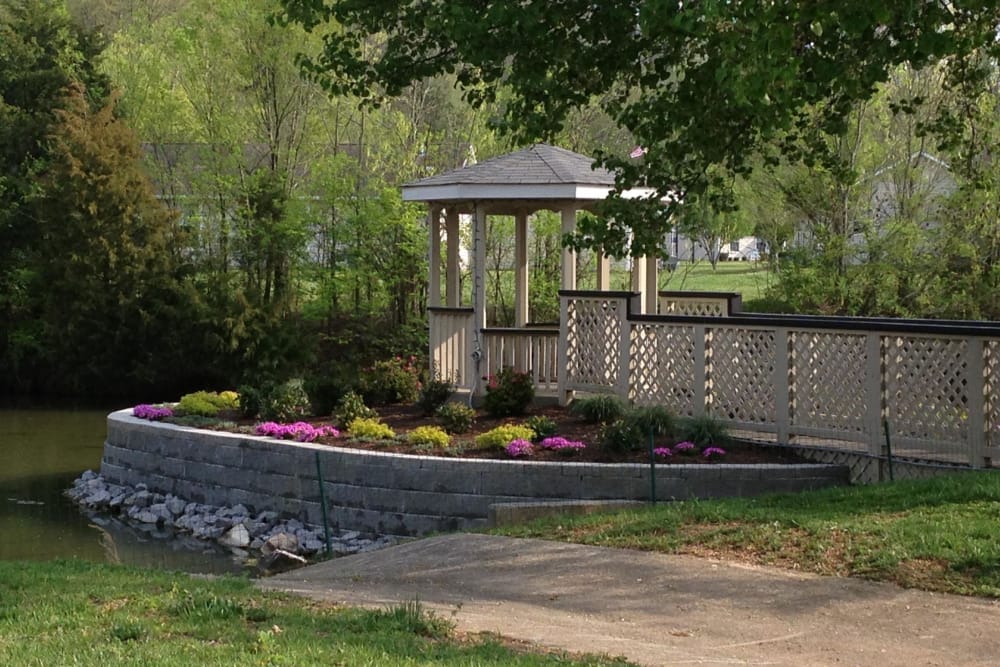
[[661, 367], [703, 308], [594, 330], [740, 375], [992, 380], [925, 388], [827, 380]]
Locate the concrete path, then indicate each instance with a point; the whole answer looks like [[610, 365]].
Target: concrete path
[[660, 610]]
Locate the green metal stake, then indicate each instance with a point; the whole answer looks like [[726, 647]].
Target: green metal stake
[[322, 504], [888, 450], [652, 470]]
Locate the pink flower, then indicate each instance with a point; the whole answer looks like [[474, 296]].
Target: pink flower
[[663, 452], [519, 449], [560, 444]]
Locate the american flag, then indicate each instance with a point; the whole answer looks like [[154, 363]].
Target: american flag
[[637, 152]]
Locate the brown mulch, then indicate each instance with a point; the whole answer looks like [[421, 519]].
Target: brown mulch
[[405, 418]]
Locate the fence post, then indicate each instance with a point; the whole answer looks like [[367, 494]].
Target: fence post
[[631, 304], [702, 352], [562, 351], [976, 407], [874, 391], [782, 392]]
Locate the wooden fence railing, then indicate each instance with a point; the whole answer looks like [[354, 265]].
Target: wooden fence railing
[[802, 380]]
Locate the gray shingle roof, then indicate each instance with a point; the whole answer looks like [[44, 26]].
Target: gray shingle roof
[[540, 164]]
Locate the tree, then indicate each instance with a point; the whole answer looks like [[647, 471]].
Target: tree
[[702, 86]]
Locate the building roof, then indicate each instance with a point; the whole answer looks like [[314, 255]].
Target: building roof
[[538, 173]]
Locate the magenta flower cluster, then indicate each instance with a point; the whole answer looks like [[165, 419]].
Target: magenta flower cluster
[[151, 412], [560, 444], [300, 431], [663, 452], [520, 448], [685, 448], [713, 452]]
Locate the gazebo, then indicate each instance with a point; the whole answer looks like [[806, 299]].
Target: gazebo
[[541, 177]]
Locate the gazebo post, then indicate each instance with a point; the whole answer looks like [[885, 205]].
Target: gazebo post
[[639, 280], [434, 281], [453, 274], [479, 278], [652, 286], [603, 272], [521, 269], [568, 226]]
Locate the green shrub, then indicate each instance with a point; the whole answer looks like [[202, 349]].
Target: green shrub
[[434, 394], [429, 435], [286, 402], [325, 391], [655, 418], [600, 409], [704, 431], [622, 435], [542, 426], [501, 436], [351, 407], [395, 380], [252, 398], [508, 393], [208, 403], [456, 417], [370, 429]]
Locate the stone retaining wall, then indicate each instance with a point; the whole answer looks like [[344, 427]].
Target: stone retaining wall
[[395, 494]]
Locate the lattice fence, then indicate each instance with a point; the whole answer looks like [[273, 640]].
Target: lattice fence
[[703, 308], [593, 339], [991, 380], [661, 366], [740, 374], [827, 381], [926, 395]]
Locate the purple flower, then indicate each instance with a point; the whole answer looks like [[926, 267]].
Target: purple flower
[[519, 448], [300, 431], [685, 447], [560, 444], [663, 452], [713, 452], [151, 412]]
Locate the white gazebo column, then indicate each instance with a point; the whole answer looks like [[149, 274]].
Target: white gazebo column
[[652, 286], [639, 280], [603, 272], [453, 273], [479, 271], [520, 269], [434, 229], [568, 215]]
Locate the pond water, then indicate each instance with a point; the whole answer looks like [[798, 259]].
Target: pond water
[[42, 450]]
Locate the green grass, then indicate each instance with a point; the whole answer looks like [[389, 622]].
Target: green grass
[[85, 614], [938, 534], [747, 278]]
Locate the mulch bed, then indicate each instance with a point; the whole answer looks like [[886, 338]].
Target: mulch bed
[[405, 418]]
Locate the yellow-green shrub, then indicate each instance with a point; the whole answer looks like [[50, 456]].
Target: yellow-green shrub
[[429, 435], [501, 436], [208, 403], [370, 428]]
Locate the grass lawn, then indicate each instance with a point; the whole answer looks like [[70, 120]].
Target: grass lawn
[[747, 278], [939, 534], [85, 614]]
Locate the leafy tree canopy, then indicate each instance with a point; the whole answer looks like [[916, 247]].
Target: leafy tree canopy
[[702, 85]]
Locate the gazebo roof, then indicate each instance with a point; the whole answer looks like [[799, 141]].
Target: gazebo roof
[[537, 173]]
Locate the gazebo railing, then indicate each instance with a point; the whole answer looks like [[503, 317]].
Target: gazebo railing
[[451, 340], [531, 350]]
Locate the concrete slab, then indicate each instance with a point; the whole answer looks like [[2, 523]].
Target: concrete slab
[[659, 610]]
